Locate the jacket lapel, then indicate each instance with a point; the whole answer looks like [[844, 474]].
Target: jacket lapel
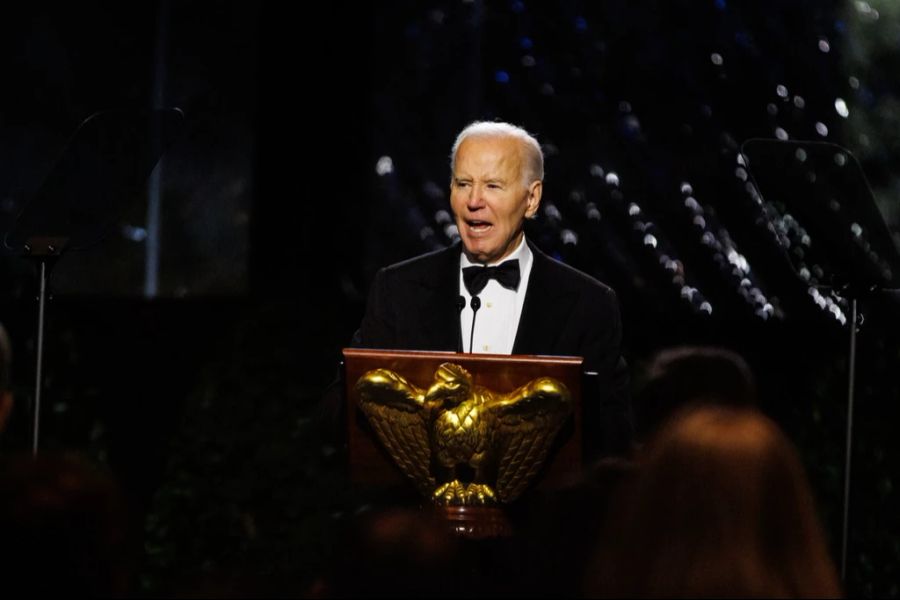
[[440, 313], [544, 310]]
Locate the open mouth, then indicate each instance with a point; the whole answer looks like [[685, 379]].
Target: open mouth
[[478, 226]]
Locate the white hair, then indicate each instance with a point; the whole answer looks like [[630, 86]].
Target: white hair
[[534, 157]]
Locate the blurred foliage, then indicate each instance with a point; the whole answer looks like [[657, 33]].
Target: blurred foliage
[[253, 493]]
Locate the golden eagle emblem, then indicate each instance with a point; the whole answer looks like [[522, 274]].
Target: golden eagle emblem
[[463, 444]]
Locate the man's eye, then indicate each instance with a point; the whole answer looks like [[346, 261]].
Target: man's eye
[[493, 186], [462, 184]]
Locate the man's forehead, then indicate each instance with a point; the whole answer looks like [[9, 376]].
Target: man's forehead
[[484, 142], [489, 152]]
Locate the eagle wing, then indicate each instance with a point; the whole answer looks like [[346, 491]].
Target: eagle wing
[[525, 425], [396, 411]]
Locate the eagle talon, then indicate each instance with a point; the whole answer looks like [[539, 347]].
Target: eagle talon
[[452, 493], [479, 494]]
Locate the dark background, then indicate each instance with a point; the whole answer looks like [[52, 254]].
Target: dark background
[[315, 151]]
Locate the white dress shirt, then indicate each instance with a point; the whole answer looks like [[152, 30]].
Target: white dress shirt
[[497, 321]]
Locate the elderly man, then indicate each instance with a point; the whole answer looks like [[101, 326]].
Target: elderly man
[[496, 292]]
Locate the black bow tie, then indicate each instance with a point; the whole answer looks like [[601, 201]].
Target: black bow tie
[[506, 274]]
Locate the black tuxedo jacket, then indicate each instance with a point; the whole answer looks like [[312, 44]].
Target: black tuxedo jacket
[[413, 305]]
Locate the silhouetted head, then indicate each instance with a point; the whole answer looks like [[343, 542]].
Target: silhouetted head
[[684, 375], [719, 507], [396, 552], [62, 527]]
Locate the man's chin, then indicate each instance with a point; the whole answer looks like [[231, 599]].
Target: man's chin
[[474, 254], [479, 255]]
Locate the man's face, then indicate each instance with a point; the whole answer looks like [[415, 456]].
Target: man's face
[[489, 198]]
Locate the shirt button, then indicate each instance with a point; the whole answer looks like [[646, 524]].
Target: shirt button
[[490, 304], [486, 347]]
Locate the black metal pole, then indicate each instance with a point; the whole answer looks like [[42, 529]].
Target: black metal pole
[[35, 436], [847, 453]]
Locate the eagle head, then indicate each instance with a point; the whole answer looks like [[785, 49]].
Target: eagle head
[[451, 386]]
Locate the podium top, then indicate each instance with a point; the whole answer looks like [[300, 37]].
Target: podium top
[[367, 353], [502, 372]]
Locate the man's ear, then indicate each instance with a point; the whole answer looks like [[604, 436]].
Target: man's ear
[[534, 198]]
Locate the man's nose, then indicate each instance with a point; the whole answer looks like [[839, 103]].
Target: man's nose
[[475, 199]]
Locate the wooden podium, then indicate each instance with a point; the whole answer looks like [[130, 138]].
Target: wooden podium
[[371, 465]]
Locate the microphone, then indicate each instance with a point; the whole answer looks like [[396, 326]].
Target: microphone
[[460, 305], [475, 304]]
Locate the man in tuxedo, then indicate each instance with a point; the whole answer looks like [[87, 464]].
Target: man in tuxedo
[[494, 292]]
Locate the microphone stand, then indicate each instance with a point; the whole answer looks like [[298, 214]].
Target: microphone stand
[[807, 176], [476, 304], [105, 163], [45, 251], [460, 305], [851, 376]]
